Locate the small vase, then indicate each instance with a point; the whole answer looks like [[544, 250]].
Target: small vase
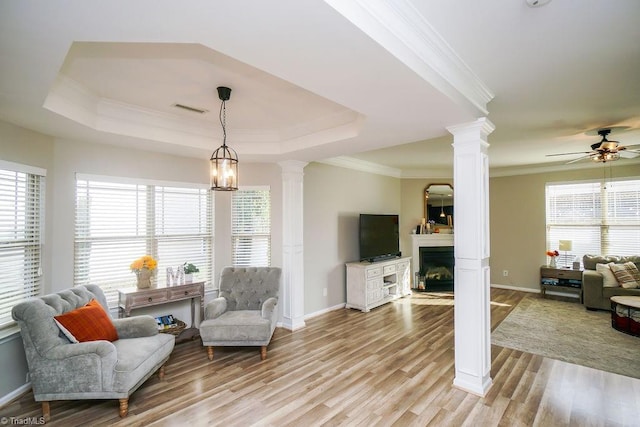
[[552, 262], [144, 278]]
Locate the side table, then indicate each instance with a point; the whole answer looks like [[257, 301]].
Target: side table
[[561, 280], [133, 298], [625, 314]]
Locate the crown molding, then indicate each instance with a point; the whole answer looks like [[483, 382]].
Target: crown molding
[[428, 173], [447, 173], [556, 167], [403, 31]]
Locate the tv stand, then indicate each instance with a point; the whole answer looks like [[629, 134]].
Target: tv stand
[[371, 284], [383, 258]]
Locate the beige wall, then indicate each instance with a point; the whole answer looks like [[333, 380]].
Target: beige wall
[[518, 229], [333, 199]]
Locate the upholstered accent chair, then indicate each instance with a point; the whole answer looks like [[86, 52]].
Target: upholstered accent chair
[[245, 312], [64, 370]]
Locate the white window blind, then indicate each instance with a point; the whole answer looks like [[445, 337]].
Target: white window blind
[[598, 218], [117, 223], [251, 227], [21, 231]]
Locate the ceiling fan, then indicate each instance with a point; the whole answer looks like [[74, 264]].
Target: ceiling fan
[[603, 151]]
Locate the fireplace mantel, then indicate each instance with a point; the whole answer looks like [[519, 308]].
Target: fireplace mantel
[[425, 241]]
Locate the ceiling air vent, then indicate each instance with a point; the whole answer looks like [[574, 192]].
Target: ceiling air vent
[[191, 109]]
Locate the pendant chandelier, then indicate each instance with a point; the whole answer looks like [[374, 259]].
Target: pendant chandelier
[[442, 215], [224, 161]]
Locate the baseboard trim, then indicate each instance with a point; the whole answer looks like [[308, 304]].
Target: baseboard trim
[[9, 397], [516, 288], [324, 310]]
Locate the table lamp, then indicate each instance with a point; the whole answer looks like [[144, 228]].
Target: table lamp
[[565, 245]]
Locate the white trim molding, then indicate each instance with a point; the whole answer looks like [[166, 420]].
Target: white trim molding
[[404, 32]]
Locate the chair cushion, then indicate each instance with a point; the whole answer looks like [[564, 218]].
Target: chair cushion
[[137, 357], [239, 325], [88, 323]]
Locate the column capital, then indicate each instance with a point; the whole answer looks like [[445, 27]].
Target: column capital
[[481, 128], [292, 165]]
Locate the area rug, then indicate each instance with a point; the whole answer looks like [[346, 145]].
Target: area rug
[[567, 331]]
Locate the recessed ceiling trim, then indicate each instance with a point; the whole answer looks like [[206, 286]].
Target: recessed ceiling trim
[[72, 100]]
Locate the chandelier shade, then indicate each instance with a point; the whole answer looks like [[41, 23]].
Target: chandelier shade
[[224, 160]]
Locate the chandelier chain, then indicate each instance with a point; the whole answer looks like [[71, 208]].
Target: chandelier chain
[[223, 121]]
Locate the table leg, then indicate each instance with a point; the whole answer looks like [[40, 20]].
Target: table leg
[[193, 312]]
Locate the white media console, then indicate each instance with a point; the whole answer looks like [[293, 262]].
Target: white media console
[[371, 284]]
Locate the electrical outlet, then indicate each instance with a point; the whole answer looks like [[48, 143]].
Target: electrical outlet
[[505, 273], [324, 292]]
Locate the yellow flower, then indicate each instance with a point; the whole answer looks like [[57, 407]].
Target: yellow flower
[[146, 261]]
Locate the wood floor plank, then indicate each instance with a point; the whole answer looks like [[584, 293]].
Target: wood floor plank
[[391, 366]]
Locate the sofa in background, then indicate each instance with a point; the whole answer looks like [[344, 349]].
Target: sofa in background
[[64, 370], [595, 292]]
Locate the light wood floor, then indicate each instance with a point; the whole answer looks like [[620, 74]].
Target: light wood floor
[[392, 366]]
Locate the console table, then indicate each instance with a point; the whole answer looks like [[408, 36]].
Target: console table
[[132, 298]]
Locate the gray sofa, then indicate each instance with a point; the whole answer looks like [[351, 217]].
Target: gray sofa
[[245, 313], [62, 370], [596, 296]]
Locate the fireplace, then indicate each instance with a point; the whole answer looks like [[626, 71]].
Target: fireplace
[[436, 267]]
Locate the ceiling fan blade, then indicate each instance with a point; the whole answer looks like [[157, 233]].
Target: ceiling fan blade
[[566, 154], [578, 159], [630, 154]]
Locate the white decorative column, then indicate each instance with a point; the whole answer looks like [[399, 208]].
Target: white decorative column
[[471, 248], [292, 296]]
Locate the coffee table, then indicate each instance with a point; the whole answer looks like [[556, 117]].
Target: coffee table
[[625, 314]]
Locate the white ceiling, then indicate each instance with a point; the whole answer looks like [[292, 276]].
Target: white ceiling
[[370, 80]]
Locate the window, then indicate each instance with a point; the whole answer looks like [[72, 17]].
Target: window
[[118, 221], [21, 230], [598, 217], [251, 227]]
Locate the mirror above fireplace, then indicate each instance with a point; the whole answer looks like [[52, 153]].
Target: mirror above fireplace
[[438, 204]]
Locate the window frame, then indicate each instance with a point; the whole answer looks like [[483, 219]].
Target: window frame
[[32, 242], [236, 235], [593, 230], [148, 231]]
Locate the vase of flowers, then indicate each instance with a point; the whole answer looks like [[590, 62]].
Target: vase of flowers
[[552, 258], [143, 267]]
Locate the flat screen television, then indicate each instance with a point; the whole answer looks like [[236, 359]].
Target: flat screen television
[[379, 237]]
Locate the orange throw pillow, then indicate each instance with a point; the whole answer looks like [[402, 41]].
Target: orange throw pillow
[[88, 323]]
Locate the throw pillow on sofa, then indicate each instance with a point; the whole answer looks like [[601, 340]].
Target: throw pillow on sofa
[[608, 278], [88, 323], [627, 274]]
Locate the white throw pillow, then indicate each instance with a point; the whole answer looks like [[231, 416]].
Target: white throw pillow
[[608, 278]]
